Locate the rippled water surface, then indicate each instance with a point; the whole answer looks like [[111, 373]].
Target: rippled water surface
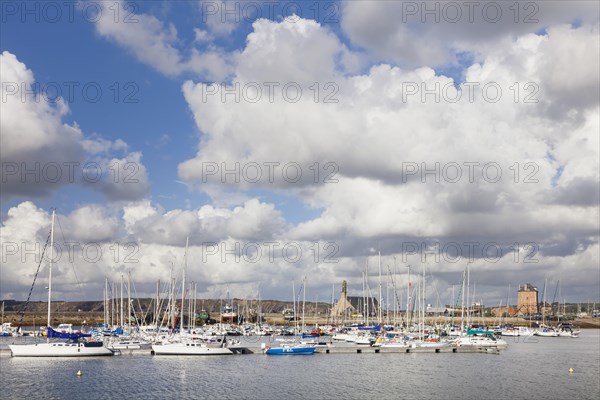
[[533, 369]]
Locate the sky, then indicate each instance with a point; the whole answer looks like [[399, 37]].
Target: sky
[[284, 141]]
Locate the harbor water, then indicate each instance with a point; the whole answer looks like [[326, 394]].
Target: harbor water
[[530, 368]]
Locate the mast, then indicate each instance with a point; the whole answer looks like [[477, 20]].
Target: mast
[[303, 303], [50, 272], [367, 293], [387, 297], [294, 305], [106, 301], [462, 303], [113, 300], [129, 303], [395, 295], [380, 313], [468, 296], [423, 301], [364, 300], [189, 306], [544, 303], [195, 301], [156, 306], [408, 299], [332, 302], [172, 298], [121, 308], [183, 285], [259, 308]]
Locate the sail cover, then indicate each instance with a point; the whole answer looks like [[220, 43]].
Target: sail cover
[[60, 335]]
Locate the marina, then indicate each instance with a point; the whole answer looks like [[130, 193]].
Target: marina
[[330, 350], [528, 369], [366, 199]]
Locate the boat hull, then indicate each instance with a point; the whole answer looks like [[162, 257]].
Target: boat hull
[[58, 350], [130, 345], [546, 333], [179, 349], [478, 341], [282, 351], [397, 345]]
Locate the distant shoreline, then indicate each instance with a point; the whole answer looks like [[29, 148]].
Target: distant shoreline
[[92, 318]]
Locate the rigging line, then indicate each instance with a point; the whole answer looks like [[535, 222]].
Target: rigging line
[[439, 300], [33, 283], [139, 304], [70, 261], [396, 297]]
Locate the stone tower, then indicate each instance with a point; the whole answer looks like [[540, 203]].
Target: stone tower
[[527, 299]]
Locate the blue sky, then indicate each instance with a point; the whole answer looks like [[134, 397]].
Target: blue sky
[[371, 53], [73, 52], [131, 91]]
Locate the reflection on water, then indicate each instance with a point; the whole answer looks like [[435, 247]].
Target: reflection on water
[[533, 369]]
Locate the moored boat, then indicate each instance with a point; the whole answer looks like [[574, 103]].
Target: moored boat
[[285, 349], [191, 348], [480, 339], [546, 331], [568, 330], [61, 349], [77, 344]]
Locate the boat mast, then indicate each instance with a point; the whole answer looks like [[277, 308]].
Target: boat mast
[[183, 285], [50, 272], [294, 306], [367, 293], [364, 311], [408, 299], [387, 296], [259, 307], [129, 303], [195, 301], [395, 295], [172, 298], [189, 306], [121, 308], [423, 301], [113, 300], [544, 303], [462, 303], [333, 319], [468, 296], [303, 303], [380, 314], [157, 305], [106, 301]]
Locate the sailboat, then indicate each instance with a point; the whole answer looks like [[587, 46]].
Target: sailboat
[[190, 345], [480, 338], [289, 349], [75, 346], [294, 347]]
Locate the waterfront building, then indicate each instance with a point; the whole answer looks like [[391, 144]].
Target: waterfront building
[[527, 300]]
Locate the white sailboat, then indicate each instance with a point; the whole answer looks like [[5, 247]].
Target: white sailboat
[[75, 347], [481, 340], [192, 345]]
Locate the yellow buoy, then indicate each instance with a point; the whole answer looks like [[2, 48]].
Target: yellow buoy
[[571, 370], [79, 373]]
